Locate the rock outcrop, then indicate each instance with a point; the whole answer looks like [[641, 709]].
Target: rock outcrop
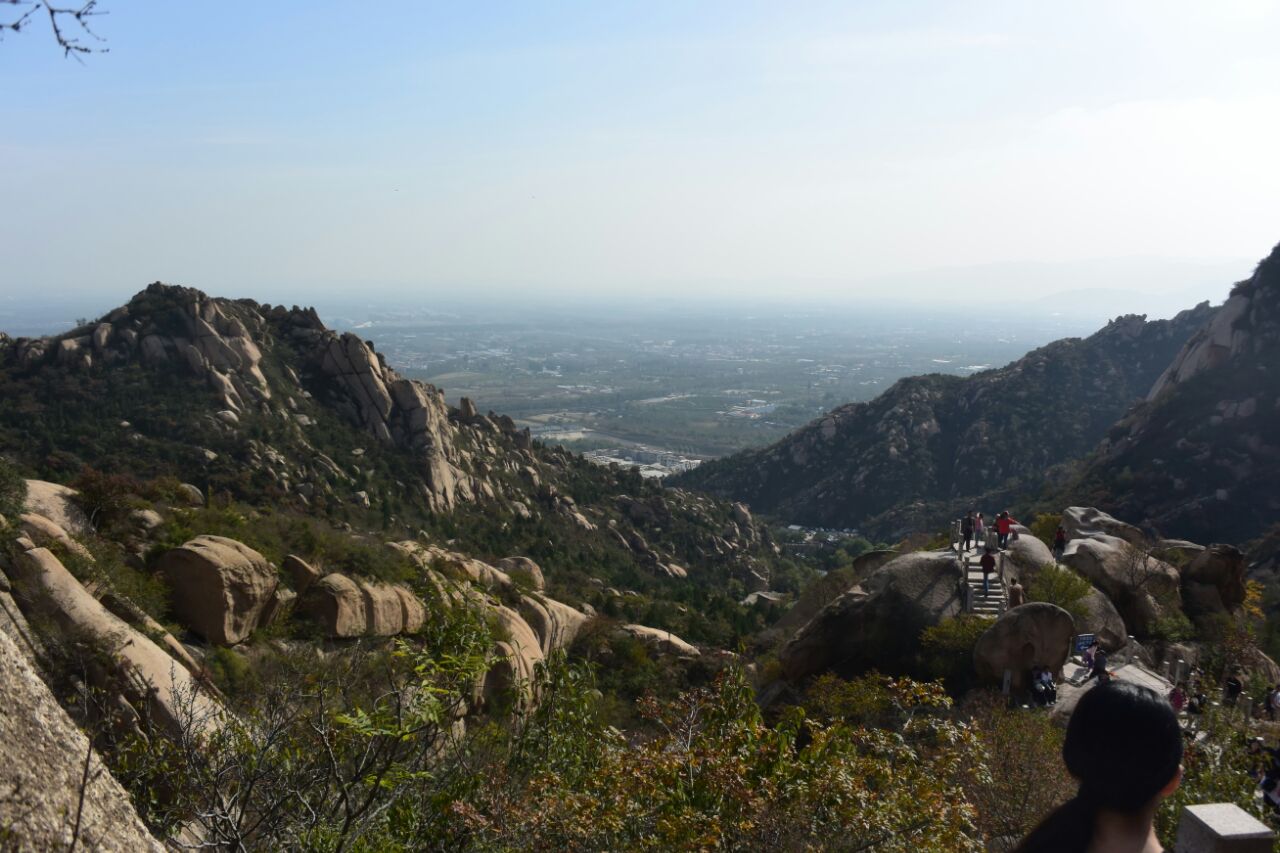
[[878, 623], [1199, 459], [57, 504], [1032, 635], [1215, 580], [42, 767], [524, 570], [555, 624], [136, 667], [1101, 619], [337, 604], [1026, 556], [219, 587], [1139, 585], [664, 641], [1087, 522]]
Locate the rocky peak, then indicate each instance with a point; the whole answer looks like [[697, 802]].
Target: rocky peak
[[1248, 322]]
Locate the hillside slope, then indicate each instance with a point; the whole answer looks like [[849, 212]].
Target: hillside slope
[[1201, 456], [264, 405], [939, 438]]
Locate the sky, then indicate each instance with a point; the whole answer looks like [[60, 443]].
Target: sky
[[292, 151]]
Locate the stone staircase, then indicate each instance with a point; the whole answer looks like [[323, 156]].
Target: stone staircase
[[995, 600]]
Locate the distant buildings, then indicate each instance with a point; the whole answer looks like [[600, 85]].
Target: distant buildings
[[652, 462]]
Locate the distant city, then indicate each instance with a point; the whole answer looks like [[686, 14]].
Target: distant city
[[666, 390]]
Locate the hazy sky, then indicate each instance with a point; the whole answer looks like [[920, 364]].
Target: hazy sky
[[291, 150]]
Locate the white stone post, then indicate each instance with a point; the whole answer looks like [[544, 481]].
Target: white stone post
[[1221, 828]]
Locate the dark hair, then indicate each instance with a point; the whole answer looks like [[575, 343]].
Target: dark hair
[[1124, 746]]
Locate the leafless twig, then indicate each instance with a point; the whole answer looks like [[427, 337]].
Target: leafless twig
[[70, 24]]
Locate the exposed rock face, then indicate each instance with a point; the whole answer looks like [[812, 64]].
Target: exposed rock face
[[1026, 555], [525, 570], [43, 531], [145, 675], [300, 572], [1136, 582], [940, 438], [1086, 522], [1211, 347], [519, 653], [878, 623], [1035, 634], [42, 755], [1103, 621], [337, 603], [664, 641], [384, 611], [219, 587], [397, 411], [56, 503], [555, 624], [191, 494], [1221, 567], [1199, 459]]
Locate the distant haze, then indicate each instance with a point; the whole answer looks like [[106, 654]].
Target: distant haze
[[1091, 158]]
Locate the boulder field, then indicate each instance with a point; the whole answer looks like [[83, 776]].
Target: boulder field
[[850, 622]]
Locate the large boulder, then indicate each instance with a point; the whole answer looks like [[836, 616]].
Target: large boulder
[[337, 605], [413, 612], [57, 503], [878, 623], [384, 612], [556, 624], [1221, 567], [1101, 619], [1026, 556], [1140, 585], [524, 570], [219, 587], [43, 531], [42, 771], [1035, 634], [131, 662], [510, 678], [664, 641], [1087, 522], [302, 573]]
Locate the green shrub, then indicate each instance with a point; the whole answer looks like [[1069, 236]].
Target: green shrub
[[1063, 587], [1045, 526], [946, 650], [13, 490]]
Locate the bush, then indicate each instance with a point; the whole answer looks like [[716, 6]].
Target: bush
[[105, 498], [1063, 587], [1044, 527], [13, 490], [946, 650]]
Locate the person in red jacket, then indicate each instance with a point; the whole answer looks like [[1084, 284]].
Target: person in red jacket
[[1004, 524]]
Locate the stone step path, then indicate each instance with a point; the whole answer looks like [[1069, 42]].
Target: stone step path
[[995, 599]]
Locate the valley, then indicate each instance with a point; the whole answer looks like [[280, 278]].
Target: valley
[[691, 382]]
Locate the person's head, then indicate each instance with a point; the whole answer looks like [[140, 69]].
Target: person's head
[[979, 515], [1124, 746], [1015, 581]]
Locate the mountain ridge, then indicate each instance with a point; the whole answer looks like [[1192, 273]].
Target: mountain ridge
[[938, 438]]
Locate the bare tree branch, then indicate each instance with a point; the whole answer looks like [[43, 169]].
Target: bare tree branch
[[69, 24]]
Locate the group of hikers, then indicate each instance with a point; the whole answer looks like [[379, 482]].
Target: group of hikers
[[974, 530]]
